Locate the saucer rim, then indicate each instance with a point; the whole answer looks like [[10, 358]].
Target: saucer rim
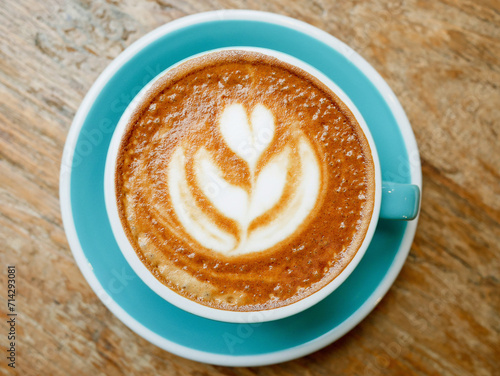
[[215, 358]]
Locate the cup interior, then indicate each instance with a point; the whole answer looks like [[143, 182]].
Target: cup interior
[[201, 310]]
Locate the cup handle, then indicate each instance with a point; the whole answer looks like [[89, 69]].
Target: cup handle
[[399, 201]]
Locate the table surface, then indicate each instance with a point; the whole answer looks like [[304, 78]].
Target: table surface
[[442, 59]]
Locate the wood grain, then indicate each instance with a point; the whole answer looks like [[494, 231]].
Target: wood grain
[[442, 59]]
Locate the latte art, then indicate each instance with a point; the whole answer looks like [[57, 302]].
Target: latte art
[[243, 183], [285, 188]]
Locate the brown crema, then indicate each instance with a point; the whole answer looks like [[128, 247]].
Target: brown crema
[[183, 108]]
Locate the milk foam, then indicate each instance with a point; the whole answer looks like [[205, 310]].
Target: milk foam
[[296, 172]]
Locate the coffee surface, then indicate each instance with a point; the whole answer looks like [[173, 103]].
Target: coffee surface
[[243, 183]]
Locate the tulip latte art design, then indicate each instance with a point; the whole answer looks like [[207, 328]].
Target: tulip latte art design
[[248, 137], [243, 183]]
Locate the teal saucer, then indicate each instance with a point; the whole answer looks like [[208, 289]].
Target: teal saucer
[[89, 232]]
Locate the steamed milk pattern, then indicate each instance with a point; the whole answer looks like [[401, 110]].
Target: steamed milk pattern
[[248, 137], [243, 183]]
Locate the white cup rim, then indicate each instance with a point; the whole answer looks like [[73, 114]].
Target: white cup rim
[[196, 308]]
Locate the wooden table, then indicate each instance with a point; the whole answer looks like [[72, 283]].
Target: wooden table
[[442, 59]]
